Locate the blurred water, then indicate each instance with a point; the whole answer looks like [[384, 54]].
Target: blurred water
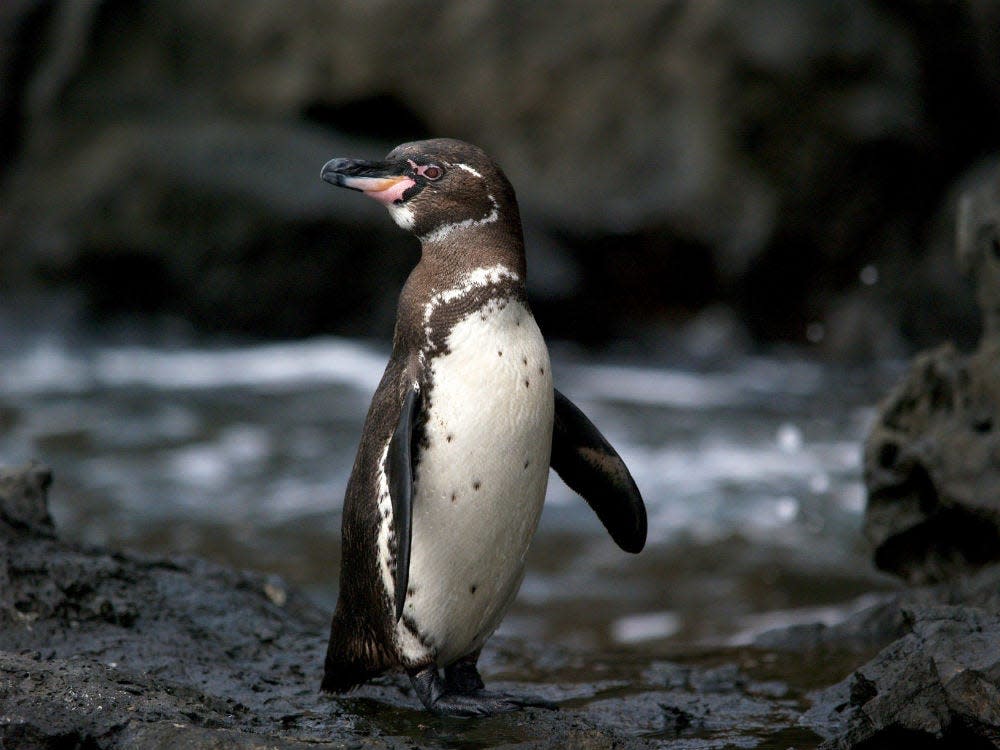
[[751, 475]]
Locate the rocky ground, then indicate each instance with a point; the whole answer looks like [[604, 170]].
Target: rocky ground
[[118, 650], [121, 651]]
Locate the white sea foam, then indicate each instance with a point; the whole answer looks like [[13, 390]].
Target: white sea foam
[[51, 369], [645, 385], [646, 626], [712, 453]]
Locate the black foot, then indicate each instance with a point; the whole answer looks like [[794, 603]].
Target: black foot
[[462, 676], [440, 699]]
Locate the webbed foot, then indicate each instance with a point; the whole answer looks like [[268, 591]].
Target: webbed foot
[[466, 697]]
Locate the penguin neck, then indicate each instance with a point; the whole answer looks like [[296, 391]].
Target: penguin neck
[[447, 259], [451, 268]]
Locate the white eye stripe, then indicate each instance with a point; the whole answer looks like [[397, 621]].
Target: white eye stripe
[[470, 170]]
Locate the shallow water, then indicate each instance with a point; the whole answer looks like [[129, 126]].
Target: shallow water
[[751, 475]]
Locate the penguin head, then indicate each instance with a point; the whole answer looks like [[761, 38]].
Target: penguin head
[[432, 188]]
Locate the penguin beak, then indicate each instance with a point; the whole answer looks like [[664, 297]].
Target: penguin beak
[[378, 180]]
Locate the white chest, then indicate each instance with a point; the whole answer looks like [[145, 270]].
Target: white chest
[[480, 482]]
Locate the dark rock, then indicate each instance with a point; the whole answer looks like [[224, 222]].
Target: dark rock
[[197, 217], [933, 678], [937, 686], [873, 627], [24, 499], [704, 707], [164, 157], [932, 468], [102, 650], [932, 459]]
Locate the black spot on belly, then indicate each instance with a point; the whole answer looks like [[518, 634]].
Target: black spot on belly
[[411, 591], [449, 438], [541, 370], [476, 485], [526, 463], [524, 359], [499, 354], [527, 383], [454, 496], [472, 588]]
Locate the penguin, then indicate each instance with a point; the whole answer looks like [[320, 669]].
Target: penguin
[[449, 480]]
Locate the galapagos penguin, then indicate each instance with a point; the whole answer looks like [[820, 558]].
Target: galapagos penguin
[[449, 480]]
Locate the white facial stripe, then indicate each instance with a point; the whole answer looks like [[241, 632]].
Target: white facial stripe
[[443, 231], [470, 170], [479, 277]]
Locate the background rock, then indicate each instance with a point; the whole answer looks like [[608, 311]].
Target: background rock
[[24, 492], [932, 467], [932, 459], [668, 156]]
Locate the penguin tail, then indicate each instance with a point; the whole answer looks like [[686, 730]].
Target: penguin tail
[[353, 656]]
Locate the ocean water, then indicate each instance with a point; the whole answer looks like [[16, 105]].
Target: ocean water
[[751, 475]]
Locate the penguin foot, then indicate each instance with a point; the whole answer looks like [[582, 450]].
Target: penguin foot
[[438, 698]]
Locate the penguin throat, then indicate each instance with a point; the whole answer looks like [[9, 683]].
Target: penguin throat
[[402, 215], [470, 283], [445, 230]]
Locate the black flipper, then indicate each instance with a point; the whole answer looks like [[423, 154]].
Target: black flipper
[[592, 468], [399, 472]]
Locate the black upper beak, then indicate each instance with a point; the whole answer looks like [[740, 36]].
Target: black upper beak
[[384, 181], [334, 168], [353, 173]]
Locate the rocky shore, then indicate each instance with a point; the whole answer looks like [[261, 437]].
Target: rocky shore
[[102, 649]]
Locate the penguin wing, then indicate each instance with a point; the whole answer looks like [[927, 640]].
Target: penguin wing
[[399, 472], [585, 461]]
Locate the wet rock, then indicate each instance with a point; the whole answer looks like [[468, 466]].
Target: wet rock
[[24, 493], [932, 669], [937, 686], [116, 650], [932, 468], [873, 627], [700, 707], [932, 459]]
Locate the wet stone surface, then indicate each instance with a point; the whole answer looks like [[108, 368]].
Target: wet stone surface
[[932, 459], [118, 650], [932, 466]]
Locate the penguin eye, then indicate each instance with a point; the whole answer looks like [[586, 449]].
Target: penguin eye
[[431, 172]]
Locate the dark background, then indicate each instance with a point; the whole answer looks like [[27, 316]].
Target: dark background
[[697, 178]]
